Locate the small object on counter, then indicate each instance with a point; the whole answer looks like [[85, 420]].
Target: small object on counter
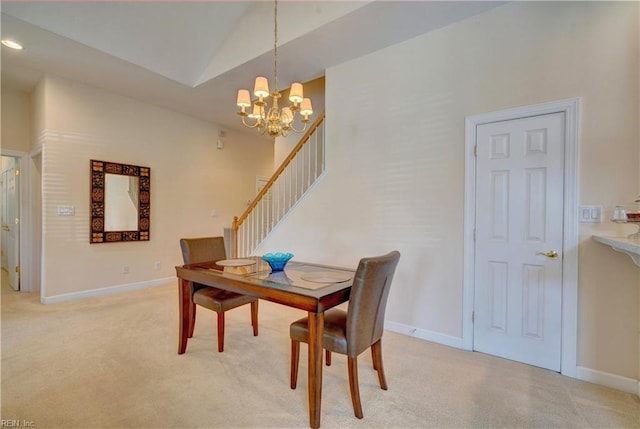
[[628, 213]]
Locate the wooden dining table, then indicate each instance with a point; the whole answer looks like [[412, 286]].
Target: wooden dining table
[[311, 287]]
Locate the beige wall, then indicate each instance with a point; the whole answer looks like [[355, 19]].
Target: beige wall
[[189, 179], [395, 159], [16, 120], [284, 145]]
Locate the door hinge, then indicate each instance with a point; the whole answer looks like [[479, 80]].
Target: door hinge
[[17, 268], [475, 150], [474, 234], [473, 317]]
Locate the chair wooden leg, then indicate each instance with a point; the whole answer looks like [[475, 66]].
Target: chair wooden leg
[[254, 317], [327, 356], [295, 357], [374, 358], [192, 318], [376, 354], [353, 386], [221, 331]]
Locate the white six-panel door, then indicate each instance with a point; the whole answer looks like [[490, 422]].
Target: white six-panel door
[[519, 224]]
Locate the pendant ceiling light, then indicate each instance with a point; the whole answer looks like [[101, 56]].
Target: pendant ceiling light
[[269, 118]]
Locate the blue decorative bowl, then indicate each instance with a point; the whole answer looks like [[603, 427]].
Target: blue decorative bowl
[[277, 261]]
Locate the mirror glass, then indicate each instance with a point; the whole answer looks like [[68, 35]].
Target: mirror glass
[[120, 202]]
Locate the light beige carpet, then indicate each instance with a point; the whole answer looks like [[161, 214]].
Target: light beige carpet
[[111, 362]]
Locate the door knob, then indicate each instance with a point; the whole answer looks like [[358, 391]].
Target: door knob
[[551, 254]]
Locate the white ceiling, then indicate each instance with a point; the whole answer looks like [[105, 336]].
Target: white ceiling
[[192, 57]]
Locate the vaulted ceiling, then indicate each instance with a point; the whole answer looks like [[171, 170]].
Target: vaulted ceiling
[[192, 57]]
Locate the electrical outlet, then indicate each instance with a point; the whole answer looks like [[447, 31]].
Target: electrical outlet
[[125, 269]]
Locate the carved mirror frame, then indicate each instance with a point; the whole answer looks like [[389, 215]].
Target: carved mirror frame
[[98, 171]]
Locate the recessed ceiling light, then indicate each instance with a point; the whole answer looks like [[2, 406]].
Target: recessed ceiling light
[[11, 44]]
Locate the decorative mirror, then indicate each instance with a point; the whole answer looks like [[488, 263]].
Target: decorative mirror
[[120, 202]]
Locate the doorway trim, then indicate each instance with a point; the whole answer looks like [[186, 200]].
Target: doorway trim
[[25, 261], [571, 109]]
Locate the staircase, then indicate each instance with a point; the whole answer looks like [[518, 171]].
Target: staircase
[[297, 173]]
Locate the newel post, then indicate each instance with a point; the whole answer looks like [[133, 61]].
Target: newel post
[[234, 226]]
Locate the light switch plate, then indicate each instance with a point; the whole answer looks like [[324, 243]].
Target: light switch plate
[[590, 214], [66, 211]]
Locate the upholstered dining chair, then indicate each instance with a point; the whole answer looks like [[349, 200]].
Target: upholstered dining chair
[[360, 327], [206, 249]]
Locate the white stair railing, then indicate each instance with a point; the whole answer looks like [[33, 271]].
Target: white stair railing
[[282, 192]]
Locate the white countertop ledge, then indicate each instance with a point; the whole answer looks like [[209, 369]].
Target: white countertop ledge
[[626, 245]]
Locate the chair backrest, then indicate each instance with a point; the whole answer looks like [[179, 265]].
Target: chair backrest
[[203, 249], [368, 301]]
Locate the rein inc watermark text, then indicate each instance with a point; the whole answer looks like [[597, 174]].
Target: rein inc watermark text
[[15, 423]]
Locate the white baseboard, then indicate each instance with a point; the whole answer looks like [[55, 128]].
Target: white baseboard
[[617, 382], [106, 290], [613, 381], [423, 334]]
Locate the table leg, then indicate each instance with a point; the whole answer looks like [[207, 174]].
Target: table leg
[[184, 294], [316, 331]]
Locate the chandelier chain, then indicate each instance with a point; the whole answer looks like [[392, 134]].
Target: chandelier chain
[[275, 45]]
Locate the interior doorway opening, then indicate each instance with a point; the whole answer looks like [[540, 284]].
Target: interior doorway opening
[[10, 219]]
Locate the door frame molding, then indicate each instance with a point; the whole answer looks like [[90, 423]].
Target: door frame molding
[[25, 259], [571, 109]]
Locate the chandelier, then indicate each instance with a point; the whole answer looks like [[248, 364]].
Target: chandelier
[[270, 119]]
